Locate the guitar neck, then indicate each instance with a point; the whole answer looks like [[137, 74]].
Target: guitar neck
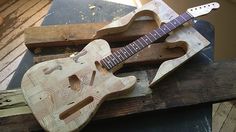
[[127, 51]]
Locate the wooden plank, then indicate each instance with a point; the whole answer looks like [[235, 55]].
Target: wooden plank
[[215, 108], [13, 7], [194, 84], [77, 34], [6, 82], [11, 56], [16, 42], [230, 123], [21, 28], [16, 19], [153, 54], [14, 99], [11, 46], [7, 4], [24, 8], [10, 68], [220, 116]]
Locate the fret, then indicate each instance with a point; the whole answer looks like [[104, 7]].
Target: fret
[[144, 41], [153, 36], [140, 43], [167, 27], [121, 55], [148, 38], [121, 50], [163, 28], [172, 24], [183, 18], [114, 58], [112, 62], [109, 62], [157, 33], [134, 44], [130, 49], [178, 21], [162, 31], [124, 53], [187, 16], [137, 45], [111, 58], [127, 51], [118, 56], [104, 62]]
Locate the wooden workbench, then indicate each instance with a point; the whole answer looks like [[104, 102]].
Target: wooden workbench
[[168, 94]]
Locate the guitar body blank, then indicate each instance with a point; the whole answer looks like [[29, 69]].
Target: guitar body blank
[[65, 93]]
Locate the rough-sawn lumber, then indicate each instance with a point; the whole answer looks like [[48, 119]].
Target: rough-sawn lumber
[[194, 83]]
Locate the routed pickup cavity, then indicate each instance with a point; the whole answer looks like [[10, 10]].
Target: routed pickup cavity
[[76, 107]]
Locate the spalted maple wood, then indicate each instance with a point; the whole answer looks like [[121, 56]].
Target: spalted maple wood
[[64, 94]]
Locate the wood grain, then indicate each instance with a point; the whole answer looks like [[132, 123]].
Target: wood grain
[[21, 15], [10, 37], [80, 34], [188, 84], [64, 94], [13, 7], [155, 53]]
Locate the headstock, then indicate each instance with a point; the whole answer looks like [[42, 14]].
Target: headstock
[[203, 9]]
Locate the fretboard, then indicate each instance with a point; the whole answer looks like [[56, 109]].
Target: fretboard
[[127, 51]]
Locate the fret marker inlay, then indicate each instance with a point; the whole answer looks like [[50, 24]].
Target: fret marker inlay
[[124, 53]]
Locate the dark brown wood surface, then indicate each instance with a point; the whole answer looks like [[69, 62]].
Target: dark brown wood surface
[[81, 34], [191, 84]]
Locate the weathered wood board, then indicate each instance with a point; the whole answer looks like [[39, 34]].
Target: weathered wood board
[[195, 42], [155, 53], [197, 83], [80, 34], [157, 9], [161, 13]]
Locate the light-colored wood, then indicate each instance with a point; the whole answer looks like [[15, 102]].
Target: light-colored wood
[[10, 37], [162, 13], [220, 116], [182, 95], [230, 123], [65, 93], [80, 34], [215, 108], [22, 15], [13, 7], [6, 5], [12, 50], [10, 68], [203, 9], [12, 56], [14, 102], [5, 83], [11, 46]]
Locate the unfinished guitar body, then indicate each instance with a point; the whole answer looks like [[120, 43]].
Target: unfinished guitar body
[[65, 93]]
